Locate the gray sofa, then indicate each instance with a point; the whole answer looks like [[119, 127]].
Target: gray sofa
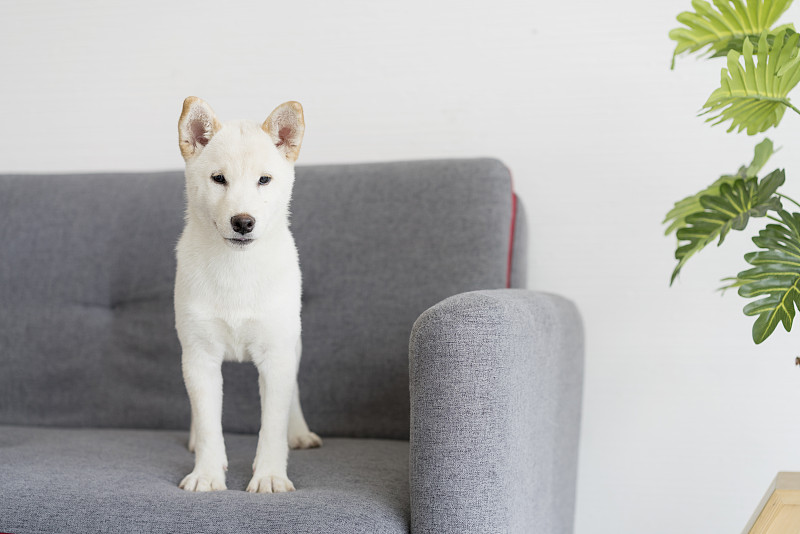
[[448, 401]]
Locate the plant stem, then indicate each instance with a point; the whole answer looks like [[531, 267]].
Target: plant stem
[[774, 219], [789, 199], [793, 108]]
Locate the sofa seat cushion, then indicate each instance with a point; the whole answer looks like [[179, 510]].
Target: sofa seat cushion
[[115, 480]]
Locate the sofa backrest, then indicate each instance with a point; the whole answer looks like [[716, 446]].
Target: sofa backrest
[[87, 268]]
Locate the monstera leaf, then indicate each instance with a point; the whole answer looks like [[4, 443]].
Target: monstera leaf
[[775, 276], [738, 42], [754, 96], [730, 209], [677, 215], [729, 25]]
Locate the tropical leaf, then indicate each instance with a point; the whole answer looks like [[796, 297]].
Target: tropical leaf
[[774, 278], [731, 209], [761, 154], [754, 96], [677, 215], [716, 29], [737, 43]]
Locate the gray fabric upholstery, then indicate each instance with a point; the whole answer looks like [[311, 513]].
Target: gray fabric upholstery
[[104, 481], [496, 381], [87, 340], [378, 245], [86, 292]]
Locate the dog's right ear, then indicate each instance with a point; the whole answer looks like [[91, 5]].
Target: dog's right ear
[[196, 127]]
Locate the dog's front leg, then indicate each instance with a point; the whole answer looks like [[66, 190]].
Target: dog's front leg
[[203, 377], [276, 380]]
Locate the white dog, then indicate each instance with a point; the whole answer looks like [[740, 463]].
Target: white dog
[[237, 287]]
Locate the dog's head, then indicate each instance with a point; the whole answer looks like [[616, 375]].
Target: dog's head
[[239, 175]]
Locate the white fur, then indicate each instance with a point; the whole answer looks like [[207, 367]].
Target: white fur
[[239, 302]]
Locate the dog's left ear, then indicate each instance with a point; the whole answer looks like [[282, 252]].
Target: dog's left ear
[[285, 125]]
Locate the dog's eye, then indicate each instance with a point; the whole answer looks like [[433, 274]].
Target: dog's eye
[[264, 180], [219, 178]]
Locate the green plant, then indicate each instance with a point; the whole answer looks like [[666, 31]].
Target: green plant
[[763, 66]]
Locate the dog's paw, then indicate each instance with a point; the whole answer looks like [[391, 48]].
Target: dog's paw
[[270, 484], [308, 440], [203, 481]]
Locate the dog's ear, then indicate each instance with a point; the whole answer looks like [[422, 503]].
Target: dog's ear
[[285, 125], [196, 127]]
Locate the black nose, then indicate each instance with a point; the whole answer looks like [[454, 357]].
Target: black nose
[[243, 223]]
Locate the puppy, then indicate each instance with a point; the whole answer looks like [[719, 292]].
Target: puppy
[[237, 286]]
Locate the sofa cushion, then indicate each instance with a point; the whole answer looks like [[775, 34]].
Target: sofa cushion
[[99, 481], [86, 319]]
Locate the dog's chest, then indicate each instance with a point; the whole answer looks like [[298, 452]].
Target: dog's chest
[[241, 309]]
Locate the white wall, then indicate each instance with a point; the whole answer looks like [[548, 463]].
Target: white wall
[[685, 420]]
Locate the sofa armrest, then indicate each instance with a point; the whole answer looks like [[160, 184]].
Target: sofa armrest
[[496, 384]]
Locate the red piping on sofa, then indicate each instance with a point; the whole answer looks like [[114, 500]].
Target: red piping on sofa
[[511, 238]]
